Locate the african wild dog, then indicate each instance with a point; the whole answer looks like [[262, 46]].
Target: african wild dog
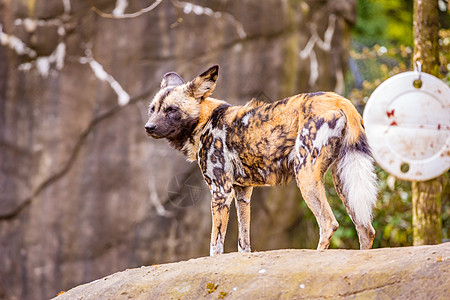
[[260, 144]]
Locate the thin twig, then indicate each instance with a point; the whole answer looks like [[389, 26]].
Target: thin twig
[[125, 16]]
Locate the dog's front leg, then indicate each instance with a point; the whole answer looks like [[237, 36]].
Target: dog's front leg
[[243, 195], [220, 208]]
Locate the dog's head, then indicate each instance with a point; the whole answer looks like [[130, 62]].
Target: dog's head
[[175, 110]]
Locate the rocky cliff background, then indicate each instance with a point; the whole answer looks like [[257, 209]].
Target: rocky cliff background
[[83, 191]]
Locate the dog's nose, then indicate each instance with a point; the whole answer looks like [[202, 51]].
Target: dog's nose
[[150, 128]]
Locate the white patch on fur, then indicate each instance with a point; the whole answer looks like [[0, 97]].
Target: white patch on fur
[[325, 133], [237, 169], [216, 249], [262, 173], [247, 249], [359, 181], [323, 136], [245, 119], [298, 146], [291, 157], [210, 174], [305, 132], [220, 134]]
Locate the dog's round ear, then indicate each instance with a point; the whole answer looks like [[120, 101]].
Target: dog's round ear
[[171, 79]]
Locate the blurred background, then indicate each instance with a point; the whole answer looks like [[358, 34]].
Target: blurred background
[[85, 193]]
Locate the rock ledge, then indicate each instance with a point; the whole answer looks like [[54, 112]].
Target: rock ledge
[[407, 273]]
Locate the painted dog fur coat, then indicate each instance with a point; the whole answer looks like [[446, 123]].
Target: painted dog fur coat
[[261, 144]]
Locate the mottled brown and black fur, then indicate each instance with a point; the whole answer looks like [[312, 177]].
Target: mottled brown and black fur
[[261, 144]]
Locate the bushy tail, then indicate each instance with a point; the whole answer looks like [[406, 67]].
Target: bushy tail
[[355, 170]]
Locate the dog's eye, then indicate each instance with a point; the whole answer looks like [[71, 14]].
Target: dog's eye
[[171, 109], [152, 109]]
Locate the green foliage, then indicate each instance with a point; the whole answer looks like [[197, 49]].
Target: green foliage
[[385, 22], [382, 47], [374, 65]]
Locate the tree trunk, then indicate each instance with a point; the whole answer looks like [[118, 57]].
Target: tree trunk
[[426, 196], [426, 201], [426, 34]]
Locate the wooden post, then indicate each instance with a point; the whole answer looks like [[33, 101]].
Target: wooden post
[[426, 196]]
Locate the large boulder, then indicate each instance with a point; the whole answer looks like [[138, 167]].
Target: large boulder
[[390, 273]]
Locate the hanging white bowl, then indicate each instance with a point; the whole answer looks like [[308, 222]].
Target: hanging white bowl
[[408, 128]]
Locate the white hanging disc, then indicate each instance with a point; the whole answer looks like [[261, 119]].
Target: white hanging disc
[[408, 128]]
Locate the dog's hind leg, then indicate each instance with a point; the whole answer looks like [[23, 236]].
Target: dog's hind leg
[[366, 233], [316, 149], [313, 192]]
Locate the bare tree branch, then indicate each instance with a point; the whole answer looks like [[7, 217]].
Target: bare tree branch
[[122, 96], [122, 15], [325, 44], [201, 10]]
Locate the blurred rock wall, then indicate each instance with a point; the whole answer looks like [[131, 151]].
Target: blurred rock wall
[[83, 191]]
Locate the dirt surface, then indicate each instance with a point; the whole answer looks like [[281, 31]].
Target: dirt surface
[[390, 273]]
